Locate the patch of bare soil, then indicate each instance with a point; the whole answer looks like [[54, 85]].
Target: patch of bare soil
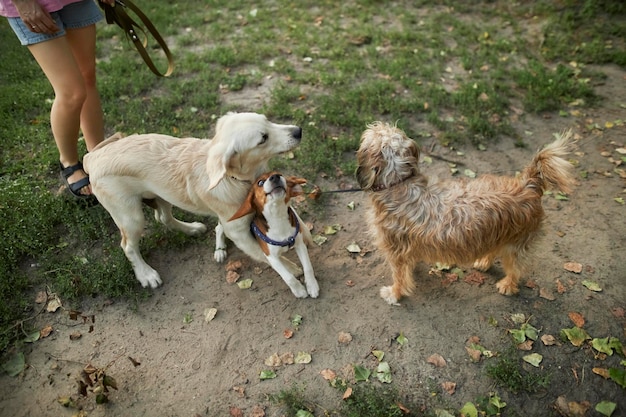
[[183, 365]]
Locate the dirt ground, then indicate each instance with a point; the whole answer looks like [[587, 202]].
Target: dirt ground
[[183, 365]]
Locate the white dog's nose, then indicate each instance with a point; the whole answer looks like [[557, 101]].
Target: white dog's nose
[[297, 133]]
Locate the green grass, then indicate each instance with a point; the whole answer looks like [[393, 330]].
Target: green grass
[[508, 373], [334, 67]]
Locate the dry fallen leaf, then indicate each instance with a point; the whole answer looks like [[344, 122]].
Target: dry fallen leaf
[[449, 387], [75, 336], [526, 345], [232, 277], [546, 294], [328, 374], [257, 411], [603, 372], [560, 288], [235, 411], [573, 267], [273, 360], [45, 332], [209, 314], [287, 358], [437, 360], [345, 337], [474, 354], [233, 265], [576, 318], [41, 297], [240, 391], [475, 278], [53, 304], [288, 333], [549, 340], [347, 393]]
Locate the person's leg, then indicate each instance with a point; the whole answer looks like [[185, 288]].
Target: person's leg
[[83, 44], [56, 59]]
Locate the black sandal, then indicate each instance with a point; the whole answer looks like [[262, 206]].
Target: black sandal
[[75, 187]]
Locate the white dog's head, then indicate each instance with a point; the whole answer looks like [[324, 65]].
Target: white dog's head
[[244, 143], [386, 157]]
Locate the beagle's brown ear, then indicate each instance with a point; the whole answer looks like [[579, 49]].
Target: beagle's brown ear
[[293, 185], [246, 207]]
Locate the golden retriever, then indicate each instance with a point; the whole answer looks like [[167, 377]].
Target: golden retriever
[[202, 176]]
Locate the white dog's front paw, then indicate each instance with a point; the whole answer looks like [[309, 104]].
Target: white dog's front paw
[[313, 288], [387, 294], [299, 291], [149, 277], [220, 255]]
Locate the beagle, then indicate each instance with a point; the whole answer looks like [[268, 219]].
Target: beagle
[[277, 227]]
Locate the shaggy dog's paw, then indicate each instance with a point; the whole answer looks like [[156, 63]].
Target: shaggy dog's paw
[[505, 287], [220, 255], [387, 294], [482, 264]]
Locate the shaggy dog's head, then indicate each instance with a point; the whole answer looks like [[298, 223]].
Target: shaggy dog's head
[[386, 157]]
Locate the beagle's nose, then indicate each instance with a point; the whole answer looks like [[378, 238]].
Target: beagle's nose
[[274, 179]]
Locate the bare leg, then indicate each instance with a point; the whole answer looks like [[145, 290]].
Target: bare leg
[[69, 64]]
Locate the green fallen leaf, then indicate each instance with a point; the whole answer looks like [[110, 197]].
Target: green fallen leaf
[[332, 230], [15, 365], [378, 354], [320, 240], [383, 372], [244, 284], [519, 336], [534, 359], [267, 375], [469, 410], [530, 331], [618, 376], [361, 373], [33, 337], [351, 205], [606, 408], [296, 320], [496, 402], [302, 358], [304, 413], [188, 318], [469, 173], [607, 345], [353, 248], [575, 335], [591, 285], [402, 340], [439, 412], [619, 200], [561, 197]]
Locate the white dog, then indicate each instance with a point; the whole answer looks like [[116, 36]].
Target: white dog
[[277, 228], [206, 177]]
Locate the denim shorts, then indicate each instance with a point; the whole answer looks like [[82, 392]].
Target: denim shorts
[[73, 16]]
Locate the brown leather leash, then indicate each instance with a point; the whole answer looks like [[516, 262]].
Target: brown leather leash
[[117, 14]]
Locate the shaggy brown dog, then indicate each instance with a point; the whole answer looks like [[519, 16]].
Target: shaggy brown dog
[[456, 221]]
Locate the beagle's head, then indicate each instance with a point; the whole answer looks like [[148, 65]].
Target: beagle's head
[[269, 187]]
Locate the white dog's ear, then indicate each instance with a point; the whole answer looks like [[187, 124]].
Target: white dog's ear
[[216, 166]]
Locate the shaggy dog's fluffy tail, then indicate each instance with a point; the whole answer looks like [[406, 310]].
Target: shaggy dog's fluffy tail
[[548, 170]]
